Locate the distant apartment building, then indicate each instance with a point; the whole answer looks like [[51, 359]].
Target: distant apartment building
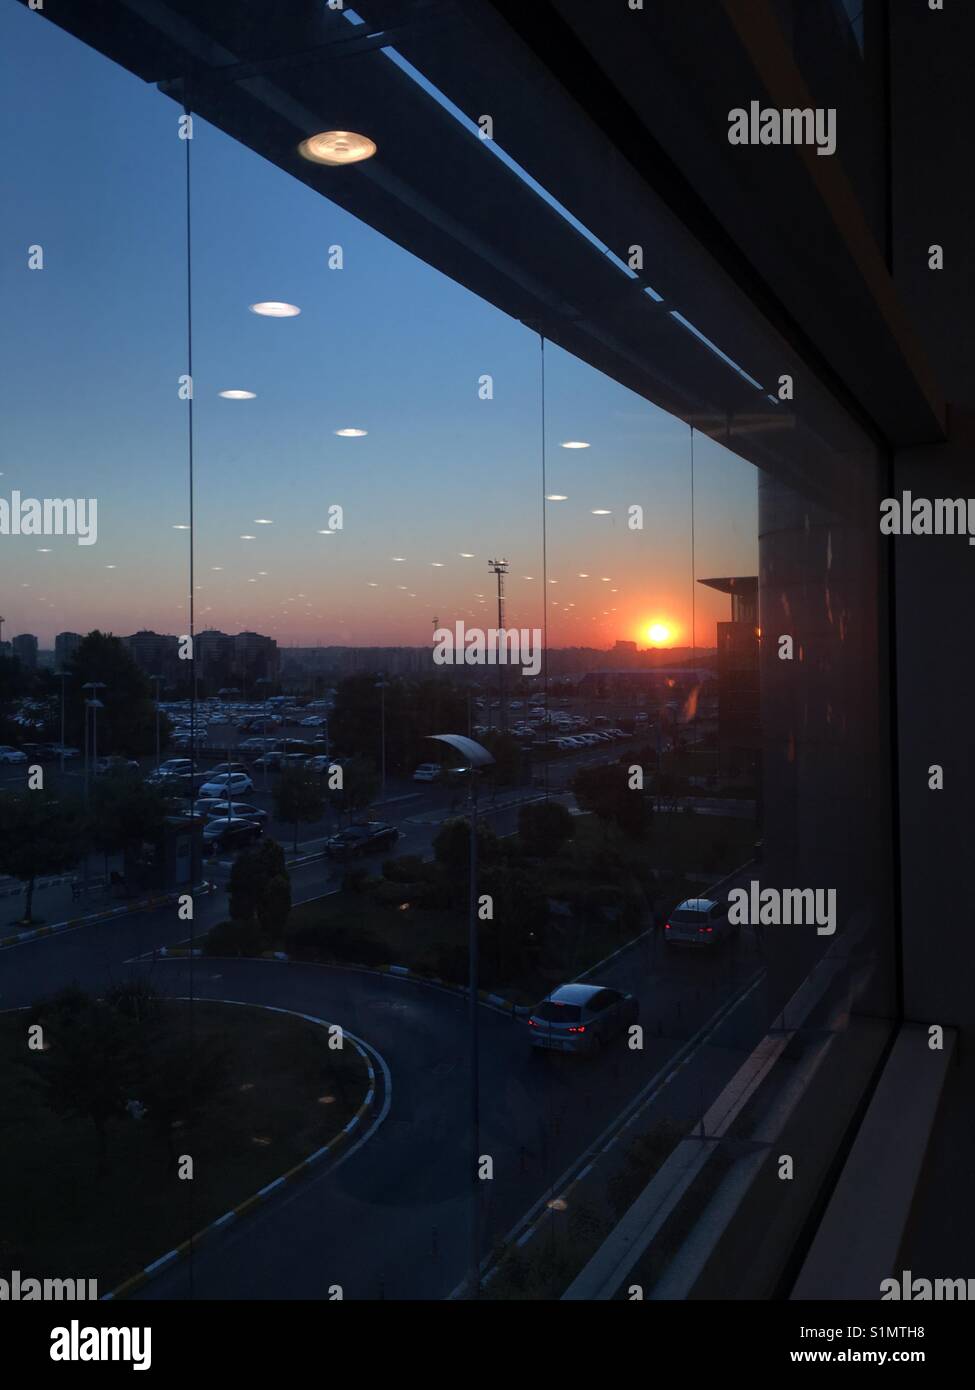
[[24, 648], [214, 652], [155, 653], [739, 732], [65, 646], [255, 658]]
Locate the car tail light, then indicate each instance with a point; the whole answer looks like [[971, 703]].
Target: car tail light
[[667, 927], [532, 1023], [580, 1029]]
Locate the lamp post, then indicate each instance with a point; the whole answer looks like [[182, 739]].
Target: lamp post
[[94, 705], [476, 756], [157, 680], [265, 681], [62, 677], [382, 685]]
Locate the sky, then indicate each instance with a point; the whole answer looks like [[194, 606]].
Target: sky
[[441, 482]]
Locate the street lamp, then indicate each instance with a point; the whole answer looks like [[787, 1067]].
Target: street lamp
[[476, 756], [94, 704], [156, 680], [62, 677], [265, 681], [382, 685]]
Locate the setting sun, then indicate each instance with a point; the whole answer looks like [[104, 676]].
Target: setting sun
[[658, 633]]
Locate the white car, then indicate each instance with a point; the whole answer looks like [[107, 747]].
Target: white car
[[427, 772], [11, 755], [234, 782]]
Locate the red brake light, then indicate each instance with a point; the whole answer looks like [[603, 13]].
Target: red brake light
[[532, 1023], [667, 927], [580, 1029]]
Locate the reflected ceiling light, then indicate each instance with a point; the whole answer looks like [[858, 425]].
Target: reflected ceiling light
[[437, 564], [111, 567], [216, 567], [606, 579], [180, 526], [466, 555], [335, 147], [556, 497], [262, 571], [262, 521], [43, 550], [399, 559], [574, 444], [248, 538], [583, 576], [238, 395], [371, 583], [275, 309], [326, 533], [601, 511], [351, 433]]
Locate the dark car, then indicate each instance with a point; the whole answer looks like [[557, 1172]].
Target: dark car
[[580, 1018], [221, 836], [361, 839]]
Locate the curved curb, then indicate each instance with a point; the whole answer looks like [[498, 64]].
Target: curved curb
[[334, 1146], [496, 1002], [145, 905]]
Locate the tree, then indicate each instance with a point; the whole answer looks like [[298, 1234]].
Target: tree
[[452, 845], [127, 721], [40, 833], [89, 1067], [360, 782], [260, 893], [506, 752], [544, 827], [605, 791], [125, 810], [299, 799], [519, 913]]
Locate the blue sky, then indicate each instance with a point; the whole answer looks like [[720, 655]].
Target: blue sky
[[89, 370]]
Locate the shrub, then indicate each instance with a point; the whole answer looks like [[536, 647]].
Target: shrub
[[234, 938], [407, 868]]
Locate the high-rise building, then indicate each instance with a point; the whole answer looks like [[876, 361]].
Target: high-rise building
[[155, 653], [255, 658], [25, 650], [739, 730], [65, 646]]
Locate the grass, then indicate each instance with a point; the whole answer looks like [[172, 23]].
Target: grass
[[61, 1220]]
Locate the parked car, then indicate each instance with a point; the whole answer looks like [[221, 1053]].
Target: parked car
[[699, 922], [239, 810], [11, 755], [219, 769], [319, 763], [173, 767], [227, 783], [220, 836], [427, 772], [580, 1018], [361, 839], [115, 763]]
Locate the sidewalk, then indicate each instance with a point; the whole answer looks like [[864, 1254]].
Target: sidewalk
[[56, 909]]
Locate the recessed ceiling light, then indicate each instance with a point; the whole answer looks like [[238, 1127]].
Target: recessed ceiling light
[[262, 572], [43, 550], [351, 433], [399, 559], [556, 497], [583, 576], [111, 567], [248, 538], [334, 147], [262, 521], [275, 309], [466, 555], [437, 564], [216, 567], [575, 444], [238, 395], [180, 526], [601, 511], [326, 533]]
